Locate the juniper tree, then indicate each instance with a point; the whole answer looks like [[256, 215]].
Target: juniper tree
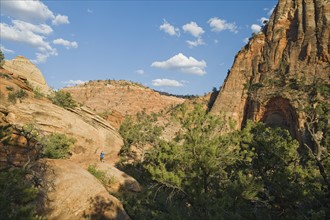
[[140, 133], [2, 59]]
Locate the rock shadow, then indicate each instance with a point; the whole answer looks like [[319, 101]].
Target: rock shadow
[[102, 209]]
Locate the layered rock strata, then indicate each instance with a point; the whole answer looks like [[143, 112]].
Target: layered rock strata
[[25, 68], [268, 75]]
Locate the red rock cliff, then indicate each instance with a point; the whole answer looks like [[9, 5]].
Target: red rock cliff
[[293, 47]]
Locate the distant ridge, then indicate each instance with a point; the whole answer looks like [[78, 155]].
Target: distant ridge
[[115, 99]]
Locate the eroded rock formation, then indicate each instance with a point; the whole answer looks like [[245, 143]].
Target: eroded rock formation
[[74, 193], [115, 99], [26, 69], [268, 75]]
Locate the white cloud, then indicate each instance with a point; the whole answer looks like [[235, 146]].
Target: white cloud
[[39, 29], [270, 12], [67, 44], [28, 26], [41, 57], [182, 63], [89, 11], [73, 82], [216, 41], [169, 29], [218, 25], [246, 40], [140, 71], [23, 32], [195, 43], [193, 29], [255, 28], [27, 10], [32, 11], [166, 82], [5, 50], [60, 19]]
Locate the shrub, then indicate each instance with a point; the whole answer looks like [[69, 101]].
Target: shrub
[[9, 88], [2, 96], [100, 175], [20, 190], [57, 146], [17, 195], [324, 90], [13, 96], [37, 93], [105, 114], [21, 94], [5, 76], [2, 59], [255, 86], [63, 99]]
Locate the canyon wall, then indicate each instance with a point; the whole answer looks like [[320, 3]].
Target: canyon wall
[[267, 80]]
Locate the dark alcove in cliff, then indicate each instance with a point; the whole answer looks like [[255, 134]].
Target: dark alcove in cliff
[[280, 113]]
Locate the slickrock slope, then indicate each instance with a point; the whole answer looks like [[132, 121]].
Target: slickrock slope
[[23, 67], [115, 99], [76, 192], [291, 53], [92, 133], [73, 193]]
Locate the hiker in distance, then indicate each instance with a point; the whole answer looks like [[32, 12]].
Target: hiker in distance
[[102, 157]]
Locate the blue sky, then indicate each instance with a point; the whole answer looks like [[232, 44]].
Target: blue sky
[[180, 47]]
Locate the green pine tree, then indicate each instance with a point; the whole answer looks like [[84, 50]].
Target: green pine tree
[[2, 59]]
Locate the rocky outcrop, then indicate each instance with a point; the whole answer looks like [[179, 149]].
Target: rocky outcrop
[[290, 53], [116, 99], [121, 181], [92, 133], [26, 69], [73, 193]]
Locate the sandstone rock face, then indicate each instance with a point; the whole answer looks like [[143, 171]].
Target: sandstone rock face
[[73, 192], [65, 183], [121, 181], [293, 48], [120, 98], [93, 134], [24, 68]]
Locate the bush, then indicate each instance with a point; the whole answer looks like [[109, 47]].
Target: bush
[[37, 93], [105, 114], [255, 86], [5, 76], [57, 146], [100, 175], [17, 195], [10, 88], [2, 97], [21, 94], [63, 99], [13, 96], [2, 59]]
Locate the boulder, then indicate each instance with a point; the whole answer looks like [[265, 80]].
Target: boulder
[[71, 192]]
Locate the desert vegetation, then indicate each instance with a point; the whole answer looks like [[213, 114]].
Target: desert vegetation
[[101, 175], [63, 99], [13, 96], [19, 182], [256, 173], [2, 59]]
